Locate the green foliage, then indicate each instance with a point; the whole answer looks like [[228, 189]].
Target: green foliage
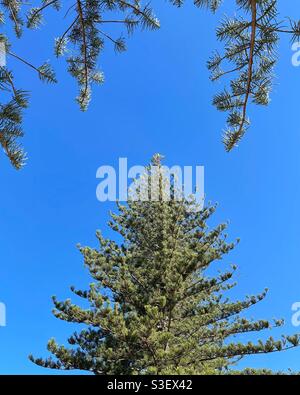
[[250, 39], [82, 42], [152, 307], [11, 118], [213, 5]]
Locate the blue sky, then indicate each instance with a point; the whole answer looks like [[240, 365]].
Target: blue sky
[[156, 98]]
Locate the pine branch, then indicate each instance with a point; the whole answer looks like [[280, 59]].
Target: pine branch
[[84, 95], [45, 72], [231, 139]]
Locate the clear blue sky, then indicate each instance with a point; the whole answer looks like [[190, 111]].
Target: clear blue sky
[[157, 98]]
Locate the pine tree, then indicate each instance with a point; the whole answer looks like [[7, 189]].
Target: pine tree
[[153, 308]]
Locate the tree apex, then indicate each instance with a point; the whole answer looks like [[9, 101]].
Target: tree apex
[[157, 159]]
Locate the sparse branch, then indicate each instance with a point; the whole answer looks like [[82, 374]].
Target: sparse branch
[[84, 48], [239, 133], [43, 7], [45, 73], [64, 35], [23, 61]]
